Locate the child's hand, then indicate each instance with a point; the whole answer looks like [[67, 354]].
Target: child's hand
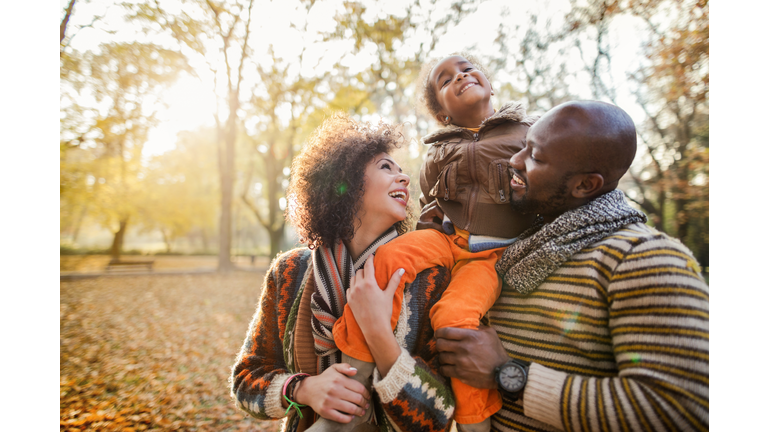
[[431, 217], [333, 395]]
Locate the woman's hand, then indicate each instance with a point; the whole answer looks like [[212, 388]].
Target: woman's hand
[[372, 308], [371, 305], [333, 395]]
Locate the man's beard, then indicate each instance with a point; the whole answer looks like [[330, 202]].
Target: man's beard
[[547, 206]]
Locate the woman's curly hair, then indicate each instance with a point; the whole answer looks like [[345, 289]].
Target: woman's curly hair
[[327, 179], [427, 97]]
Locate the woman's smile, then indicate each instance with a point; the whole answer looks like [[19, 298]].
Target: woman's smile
[[400, 195]]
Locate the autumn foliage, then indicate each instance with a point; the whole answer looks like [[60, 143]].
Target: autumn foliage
[[154, 352]]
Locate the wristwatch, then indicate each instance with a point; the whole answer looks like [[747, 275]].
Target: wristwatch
[[512, 377]]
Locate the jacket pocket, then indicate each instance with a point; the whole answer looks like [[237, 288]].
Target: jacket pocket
[[445, 151], [498, 180], [445, 187]]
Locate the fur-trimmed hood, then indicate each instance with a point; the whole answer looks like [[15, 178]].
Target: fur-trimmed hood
[[511, 111]]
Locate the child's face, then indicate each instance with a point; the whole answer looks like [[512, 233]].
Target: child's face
[[462, 91]]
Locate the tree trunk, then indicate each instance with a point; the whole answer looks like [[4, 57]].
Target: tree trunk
[[225, 219], [117, 242], [227, 168], [204, 239], [166, 240], [79, 223], [275, 238]]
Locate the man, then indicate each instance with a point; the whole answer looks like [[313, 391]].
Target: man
[[603, 321]]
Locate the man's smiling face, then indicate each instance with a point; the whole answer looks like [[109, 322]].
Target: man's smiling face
[[542, 171]]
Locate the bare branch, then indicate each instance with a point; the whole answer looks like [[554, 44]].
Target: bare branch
[[248, 203], [65, 21], [244, 53]]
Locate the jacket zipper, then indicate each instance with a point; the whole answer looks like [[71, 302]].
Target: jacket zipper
[[501, 186], [473, 177], [445, 180]]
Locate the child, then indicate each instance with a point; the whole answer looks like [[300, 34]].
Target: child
[[466, 171]]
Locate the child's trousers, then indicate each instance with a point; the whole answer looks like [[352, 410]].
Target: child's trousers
[[473, 289]]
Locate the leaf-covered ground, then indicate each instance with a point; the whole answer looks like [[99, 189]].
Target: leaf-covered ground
[[154, 352], [97, 263]]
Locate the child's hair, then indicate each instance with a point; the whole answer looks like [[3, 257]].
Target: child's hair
[[427, 97]]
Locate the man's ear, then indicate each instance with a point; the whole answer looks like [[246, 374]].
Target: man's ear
[[588, 185]]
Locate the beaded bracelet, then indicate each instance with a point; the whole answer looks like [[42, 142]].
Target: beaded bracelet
[[292, 404]]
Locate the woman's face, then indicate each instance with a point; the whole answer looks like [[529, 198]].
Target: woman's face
[[386, 191]]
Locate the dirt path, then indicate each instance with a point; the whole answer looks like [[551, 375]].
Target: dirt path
[[154, 352]]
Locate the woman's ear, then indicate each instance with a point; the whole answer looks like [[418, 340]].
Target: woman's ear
[[588, 185]]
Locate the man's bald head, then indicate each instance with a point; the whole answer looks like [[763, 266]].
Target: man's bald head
[[601, 137], [574, 153]]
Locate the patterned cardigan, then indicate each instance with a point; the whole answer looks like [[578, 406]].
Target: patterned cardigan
[[413, 396]]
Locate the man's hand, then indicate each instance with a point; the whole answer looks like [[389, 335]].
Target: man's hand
[[470, 355], [431, 217]]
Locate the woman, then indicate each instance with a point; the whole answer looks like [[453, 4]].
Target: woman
[[346, 198]]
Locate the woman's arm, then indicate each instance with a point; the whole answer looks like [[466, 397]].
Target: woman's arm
[[260, 370], [372, 308]]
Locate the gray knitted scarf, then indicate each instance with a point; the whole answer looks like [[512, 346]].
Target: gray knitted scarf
[[541, 250]]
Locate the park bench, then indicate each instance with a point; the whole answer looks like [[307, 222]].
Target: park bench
[[130, 265]]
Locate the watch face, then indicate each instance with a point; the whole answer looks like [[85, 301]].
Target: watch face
[[512, 377]]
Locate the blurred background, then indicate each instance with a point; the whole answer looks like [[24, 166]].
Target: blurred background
[[179, 120]]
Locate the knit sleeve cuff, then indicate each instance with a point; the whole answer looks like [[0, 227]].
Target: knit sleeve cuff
[[541, 398], [273, 404], [399, 374]]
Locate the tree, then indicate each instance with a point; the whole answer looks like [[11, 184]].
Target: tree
[[124, 79], [670, 182], [275, 139], [221, 28], [534, 56], [181, 189]]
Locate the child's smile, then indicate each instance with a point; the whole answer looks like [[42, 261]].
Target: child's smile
[[451, 79], [465, 87]]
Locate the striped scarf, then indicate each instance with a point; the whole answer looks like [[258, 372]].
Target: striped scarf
[[333, 270], [541, 250]]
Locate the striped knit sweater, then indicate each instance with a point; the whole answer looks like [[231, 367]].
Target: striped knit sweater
[[412, 397], [618, 338]]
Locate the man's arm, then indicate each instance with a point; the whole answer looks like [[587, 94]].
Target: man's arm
[[658, 321]]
